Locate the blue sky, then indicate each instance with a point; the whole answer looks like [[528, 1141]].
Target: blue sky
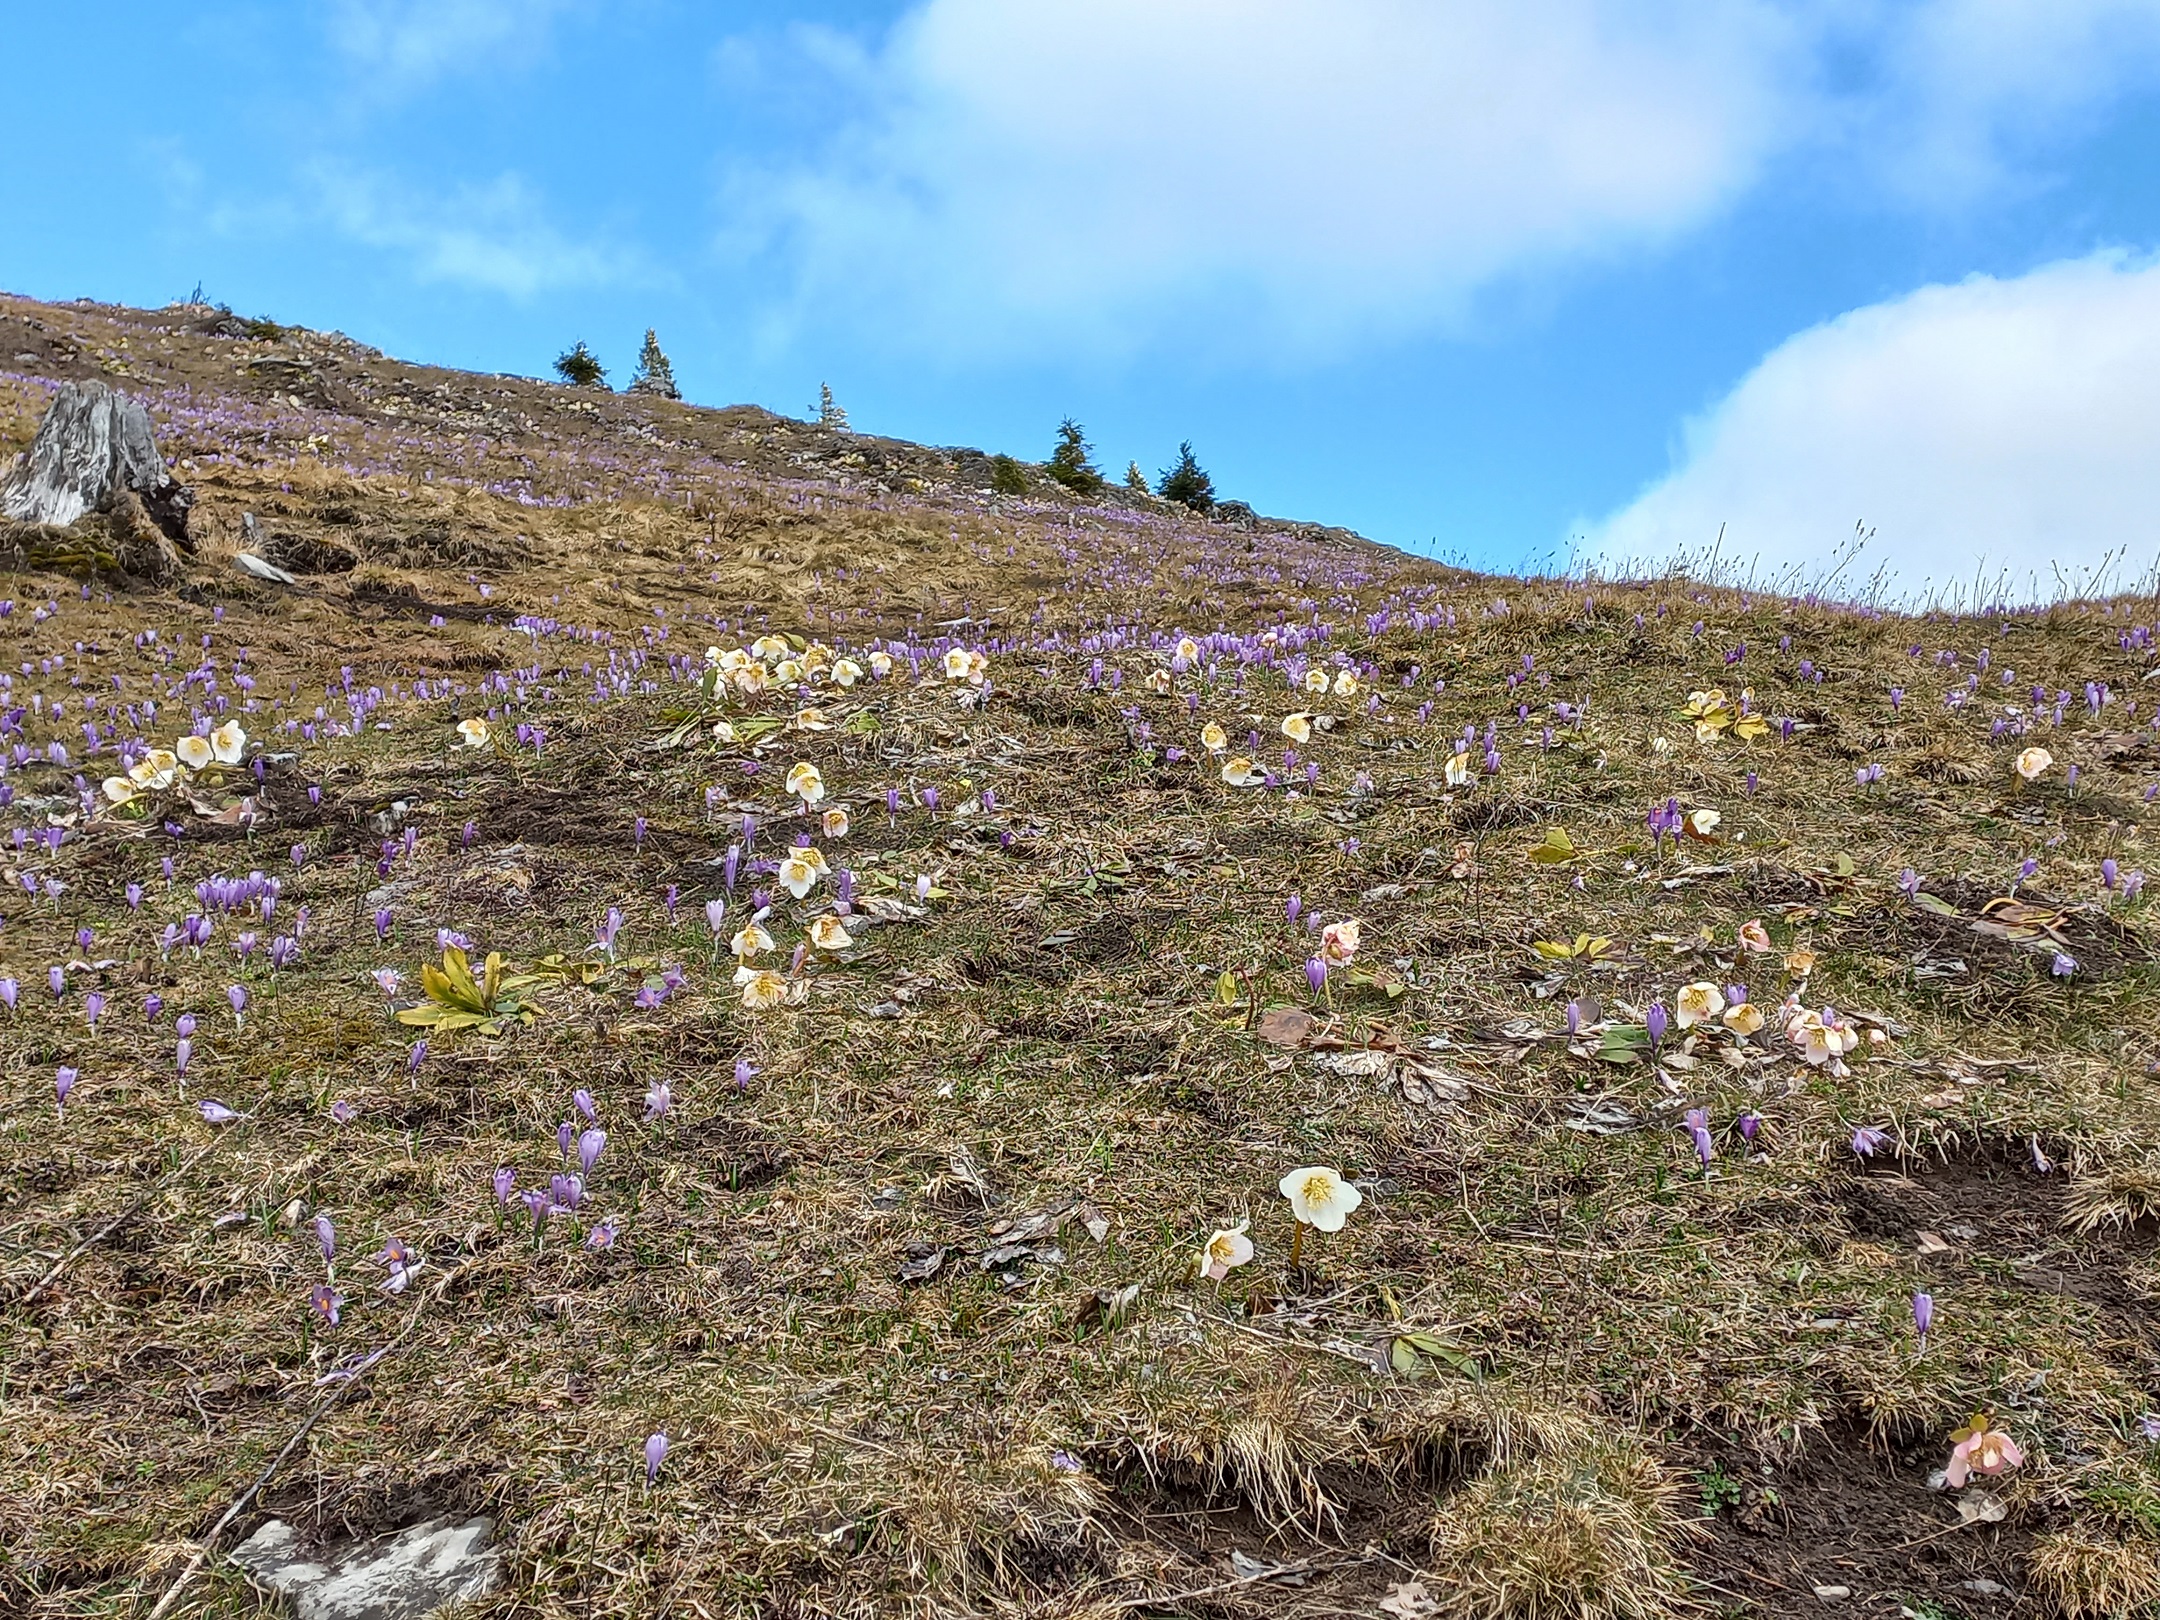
[[1483, 278]]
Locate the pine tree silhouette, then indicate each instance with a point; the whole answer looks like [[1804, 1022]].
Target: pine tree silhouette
[[580, 367], [654, 375], [1070, 463], [830, 413], [1185, 483], [1135, 479]]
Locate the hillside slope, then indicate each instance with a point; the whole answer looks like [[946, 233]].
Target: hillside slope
[[1688, 985]]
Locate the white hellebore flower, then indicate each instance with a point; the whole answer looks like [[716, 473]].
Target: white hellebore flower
[[2033, 763], [1345, 684], [1187, 649], [835, 822], [1158, 682], [881, 664], [769, 648], [1339, 942], [1316, 680], [156, 769], [1320, 1198], [806, 784], [474, 732], [1226, 1250], [751, 941], [228, 743], [1240, 772], [1697, 1003], [797, 874], [194, 752], [1458, 770], [829, 934], [846, 672], [1297, 727], [119, 789], [763, 988], [1213, 738], [956, 664]]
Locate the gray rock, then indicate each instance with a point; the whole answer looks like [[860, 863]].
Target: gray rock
[[405, 1575], [93, 447], [258, 568]]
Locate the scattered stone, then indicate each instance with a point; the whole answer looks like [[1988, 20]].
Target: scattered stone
[[1833, 1594], [404, 1575], [258, 568]]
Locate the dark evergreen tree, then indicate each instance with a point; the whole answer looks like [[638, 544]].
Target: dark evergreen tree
[[1135, 479], [1070, 463], [1006, 476], [1185, 483], [580, 367]]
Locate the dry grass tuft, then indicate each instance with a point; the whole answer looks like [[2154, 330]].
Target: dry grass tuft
[[2119, 1198], [1578, 1531], [2095, 1574]]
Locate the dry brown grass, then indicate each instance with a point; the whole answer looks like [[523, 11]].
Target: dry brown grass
[[1048, 1045]]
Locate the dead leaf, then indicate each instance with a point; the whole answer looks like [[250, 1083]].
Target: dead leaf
[[924, 1262], [1409, 1600], [1930, 1243], [1284, 1026], [1360, 1064], [1977, 1507]]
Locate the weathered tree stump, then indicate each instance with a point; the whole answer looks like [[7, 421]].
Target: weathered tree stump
[[95, 453]]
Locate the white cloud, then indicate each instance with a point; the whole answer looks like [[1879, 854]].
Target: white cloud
[[1984, 428], [409, 42], [1091, 175], [1309, 175], [494, 236], [1957, 91]]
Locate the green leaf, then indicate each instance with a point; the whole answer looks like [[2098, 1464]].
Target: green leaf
[[1935, 903], [1557, 848], [1226, 988]]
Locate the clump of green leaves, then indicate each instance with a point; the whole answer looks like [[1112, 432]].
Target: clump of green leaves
[[457, 1000], [1006, 476], [580, 367], [1071, 464]]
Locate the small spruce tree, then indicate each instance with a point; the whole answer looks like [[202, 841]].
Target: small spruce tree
[[1006, 476], [580, 367], [1135, 479], [1185, 483], [1070, 463], [830, 412], [654, 375]]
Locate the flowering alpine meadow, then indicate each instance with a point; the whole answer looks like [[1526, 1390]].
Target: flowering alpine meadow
[[807, 1035]]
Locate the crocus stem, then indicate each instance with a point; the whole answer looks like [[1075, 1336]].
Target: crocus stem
[[1297, 1245]]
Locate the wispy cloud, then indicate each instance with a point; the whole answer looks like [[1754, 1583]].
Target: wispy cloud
[[407, 43], [1983, 429], [494, 236]]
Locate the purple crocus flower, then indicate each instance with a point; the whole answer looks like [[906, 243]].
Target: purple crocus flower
[[583, 1101], [743, 1071], [326, 1238], [2063, 965], [183, 1050], [382, 923], [57, 980], [656, 1449], [344, 1112], [1315, 973], [216, 1113], [417, 1057], [1923, 1313], [1909, 881], [1749, 1123], [184, 1025], [324, 1301], [590, 1144], [1867, 1140], [1293, 906], [658, 1100], [1655, 1023], [10, 993], [505, 1179], [1698, 1126], [63, 1083], [565, 1138], [238, 996], [538, 1205], [601, 1236]]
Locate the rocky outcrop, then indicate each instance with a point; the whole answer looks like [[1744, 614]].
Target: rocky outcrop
[[406, 1575]]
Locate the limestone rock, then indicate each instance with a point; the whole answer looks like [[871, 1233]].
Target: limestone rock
[[405, 1575], [94, 446]]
